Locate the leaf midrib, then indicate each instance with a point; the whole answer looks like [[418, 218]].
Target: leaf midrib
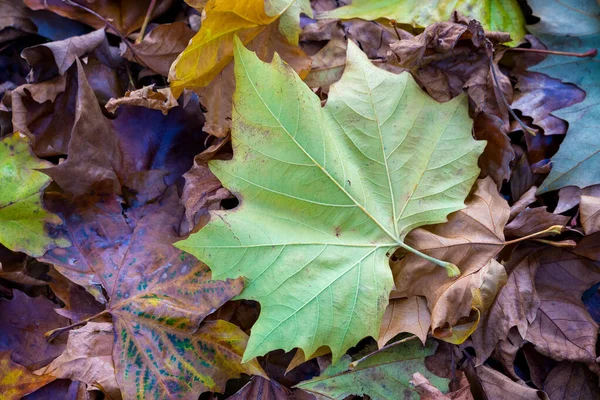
[[391, 235]]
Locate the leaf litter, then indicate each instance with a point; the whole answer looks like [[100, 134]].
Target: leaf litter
[[219, 199]]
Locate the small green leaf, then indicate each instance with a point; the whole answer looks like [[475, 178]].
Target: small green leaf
[[382, 375], [23, 219], [494, 15], [326, 192]]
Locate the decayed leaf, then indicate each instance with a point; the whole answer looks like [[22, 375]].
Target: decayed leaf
[[88, 358], [470, 239], [498, 386], [212, 48], [261, 389], [160, 47], [572, 28], [23, 321], [373, 175], [127, 16], [158, 297], [494, 15], [17, 381], [160, 99], [23, 220], [571, 381], [383, 375], [405, 315]]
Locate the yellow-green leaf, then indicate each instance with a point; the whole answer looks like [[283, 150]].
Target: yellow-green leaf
[[494, 15], [23, 219], [327, 192]]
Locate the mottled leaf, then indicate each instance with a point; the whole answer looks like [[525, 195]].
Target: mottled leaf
[[17, 381]]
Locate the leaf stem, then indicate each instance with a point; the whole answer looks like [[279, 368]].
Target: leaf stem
[[554, 229], [501, 95], [589, 53], [451, 269], [146, 20], [51, 335]]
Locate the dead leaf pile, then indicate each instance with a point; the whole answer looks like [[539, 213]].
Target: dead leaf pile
[[210, 199]]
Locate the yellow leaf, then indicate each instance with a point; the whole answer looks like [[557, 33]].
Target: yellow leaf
[[209, 52]]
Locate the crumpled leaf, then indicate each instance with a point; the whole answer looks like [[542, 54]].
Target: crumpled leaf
[[24, 222], [126, 16], [87, 358], [532, 220], [158, 296], [212, 47], [15, 20], [340, 236], [470, 239], [160, 47], [382, 375], [160, 99], [24, 320], [405, 315], [17, 381], [574, 28], [429, 392], [494, 15]]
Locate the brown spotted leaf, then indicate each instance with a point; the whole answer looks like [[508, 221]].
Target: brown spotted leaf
[[158, 296]]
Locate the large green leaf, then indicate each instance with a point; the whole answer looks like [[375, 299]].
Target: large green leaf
[[573, 27], [23, 220], [158, 297], [326, 192], [494, 15], [382, 375]]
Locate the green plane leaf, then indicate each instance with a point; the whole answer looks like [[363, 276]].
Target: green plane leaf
[[382, 375], [23, 219], [573, 27], [494, 15], [326, 192]]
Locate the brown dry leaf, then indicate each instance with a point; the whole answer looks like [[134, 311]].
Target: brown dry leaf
[[405, 315], [14, 267], [160, 47], [100, 148], [202, 190], [589, 247], [262, 389], [515, 305], [429, 392], [498, 386], [563, 328], [79, 303], [14, 20], [569, 381], [527, 198], [24, 321], [532, 220], [88, 358], [498, 154], [57, 57], [470, 239], [17, 381], [126, 16], [159, 99], [589, 209], [538, 95], [300, 357]]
